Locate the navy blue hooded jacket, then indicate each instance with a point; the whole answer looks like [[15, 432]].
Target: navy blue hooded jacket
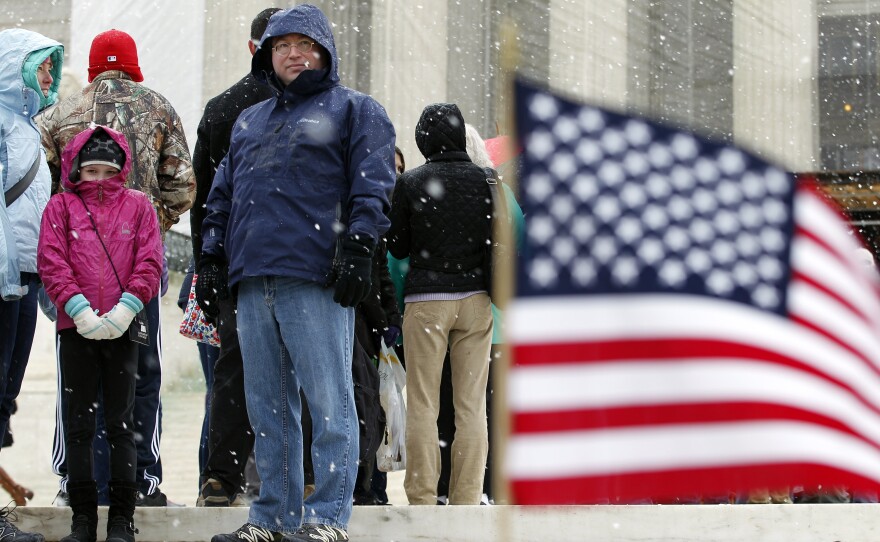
[[312, 163]]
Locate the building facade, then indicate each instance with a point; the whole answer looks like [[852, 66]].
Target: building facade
[[795, 80]]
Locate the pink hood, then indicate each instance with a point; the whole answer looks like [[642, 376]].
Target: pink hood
[[70, 152], [70, 257]]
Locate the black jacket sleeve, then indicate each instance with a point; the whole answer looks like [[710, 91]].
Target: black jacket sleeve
[[204, 172], [398, 234], [379, 311]]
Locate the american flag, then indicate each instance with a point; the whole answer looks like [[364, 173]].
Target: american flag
[[688, 319]]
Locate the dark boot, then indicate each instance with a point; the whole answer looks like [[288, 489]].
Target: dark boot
[[120, 516], [84, 504]]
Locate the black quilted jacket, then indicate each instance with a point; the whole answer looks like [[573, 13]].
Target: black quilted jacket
[[440, 212]]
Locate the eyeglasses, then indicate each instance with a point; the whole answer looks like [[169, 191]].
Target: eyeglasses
[[283, 49]]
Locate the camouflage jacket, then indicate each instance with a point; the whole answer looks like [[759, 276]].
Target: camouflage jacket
[[162, 166]]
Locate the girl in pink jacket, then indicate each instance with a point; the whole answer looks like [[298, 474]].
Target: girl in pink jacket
[[100, 258]]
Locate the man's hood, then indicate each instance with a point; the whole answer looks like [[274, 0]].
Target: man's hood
[[71, 151], [440, 132], [15, 46], [307, 20]]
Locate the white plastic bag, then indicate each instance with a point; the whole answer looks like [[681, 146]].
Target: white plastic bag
[[391, 455]]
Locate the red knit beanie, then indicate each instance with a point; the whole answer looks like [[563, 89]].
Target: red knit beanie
[[114, 50]]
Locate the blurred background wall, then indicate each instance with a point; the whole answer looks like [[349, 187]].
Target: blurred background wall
[[794, 80]]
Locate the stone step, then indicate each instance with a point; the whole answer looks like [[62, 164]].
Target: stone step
[[725, 523]]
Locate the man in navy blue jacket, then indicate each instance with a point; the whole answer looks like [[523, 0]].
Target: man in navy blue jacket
[[296, 209]]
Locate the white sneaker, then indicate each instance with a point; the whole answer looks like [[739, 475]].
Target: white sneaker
[[61, 499]]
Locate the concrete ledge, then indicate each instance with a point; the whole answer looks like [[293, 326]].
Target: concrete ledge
[[725, 523]]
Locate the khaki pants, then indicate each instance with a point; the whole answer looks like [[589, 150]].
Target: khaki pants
[[465, 326]]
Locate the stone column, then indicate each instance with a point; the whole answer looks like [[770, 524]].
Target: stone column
[[408, 64], [680, 61], [775, 63], [588, 44], [226, 56]]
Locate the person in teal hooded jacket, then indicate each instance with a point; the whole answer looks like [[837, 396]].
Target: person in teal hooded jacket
[[30, 72]]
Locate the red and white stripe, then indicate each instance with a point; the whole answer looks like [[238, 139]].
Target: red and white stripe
[[623, 397]]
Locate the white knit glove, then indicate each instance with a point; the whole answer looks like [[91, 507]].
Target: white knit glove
[[91, 326], [119, 319]]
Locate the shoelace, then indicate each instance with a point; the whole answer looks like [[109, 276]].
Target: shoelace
[[252, 533], [129, 526], [9, 515], [322, 533]]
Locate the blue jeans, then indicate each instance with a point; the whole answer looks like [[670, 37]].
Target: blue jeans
[[293, 335]]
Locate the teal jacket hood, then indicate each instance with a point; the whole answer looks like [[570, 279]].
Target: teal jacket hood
[[16, 44]]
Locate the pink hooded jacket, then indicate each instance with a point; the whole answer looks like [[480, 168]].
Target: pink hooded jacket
[[70, 258]]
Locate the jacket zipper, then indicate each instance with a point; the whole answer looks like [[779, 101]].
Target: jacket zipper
[[98, 234]]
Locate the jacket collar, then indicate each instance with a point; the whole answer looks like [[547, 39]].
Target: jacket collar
[[100, 192], [111, 74], [449, 156]]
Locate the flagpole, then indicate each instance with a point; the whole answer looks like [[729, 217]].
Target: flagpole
[[503, 281]]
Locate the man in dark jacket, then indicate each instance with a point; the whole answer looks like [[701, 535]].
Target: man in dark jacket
[[306, 171], [376, 319], [440, 219], [230, 439]]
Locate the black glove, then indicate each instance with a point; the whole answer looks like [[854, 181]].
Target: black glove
[[353, 269], [212, 284]]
